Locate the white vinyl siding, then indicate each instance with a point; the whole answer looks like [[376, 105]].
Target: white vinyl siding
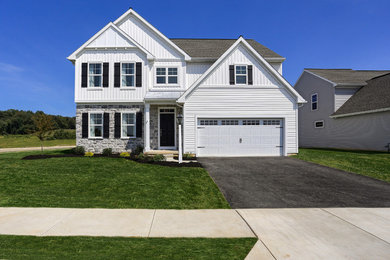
[[195, 70], [110, 38]]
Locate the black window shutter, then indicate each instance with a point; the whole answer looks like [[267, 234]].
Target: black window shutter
[[138, 74], [84, 125], [106, 125], [250, 75], [140, 123], [231, 74], [84, 75], [117, 75], [117, 130], [105, 74]]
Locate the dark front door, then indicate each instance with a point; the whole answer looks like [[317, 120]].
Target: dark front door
[[167, 129]]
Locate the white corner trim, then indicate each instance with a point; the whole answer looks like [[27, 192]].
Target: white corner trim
[[72, 57], [271, 69], [362, 112], [132, 12]]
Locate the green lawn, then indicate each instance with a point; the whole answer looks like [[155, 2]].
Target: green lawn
[[82, 182], [21, 247], [12, 141], [372, 164]]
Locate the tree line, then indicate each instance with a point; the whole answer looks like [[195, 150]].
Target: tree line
[[21, 122]]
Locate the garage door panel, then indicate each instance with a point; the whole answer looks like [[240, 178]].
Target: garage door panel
[[224, 139]]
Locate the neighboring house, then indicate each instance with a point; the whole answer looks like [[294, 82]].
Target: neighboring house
[[347, 109], [131, 83]]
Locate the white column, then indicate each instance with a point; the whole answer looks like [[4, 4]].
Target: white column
[[147, 127], [180, 146]]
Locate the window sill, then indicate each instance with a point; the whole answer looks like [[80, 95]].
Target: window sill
[[166, 86], [95, 138], [127, 88], [95, 89], [127, 138]]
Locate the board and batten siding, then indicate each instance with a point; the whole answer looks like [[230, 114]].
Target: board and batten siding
[[215, 97], [111, 94], [195, 70], [342, 95], [111, 38], [148, 39], [278, 66]]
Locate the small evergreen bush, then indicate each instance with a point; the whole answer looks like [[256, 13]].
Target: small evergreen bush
[[107, 152], [139, 149], [78, 150], [158, 158]]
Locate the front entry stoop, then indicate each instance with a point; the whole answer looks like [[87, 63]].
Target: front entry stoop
[[169, 154]]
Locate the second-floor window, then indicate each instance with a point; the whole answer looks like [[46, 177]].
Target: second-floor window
[[95, 74], [314, 101], [128, 74], [241, 74], [166, 76]]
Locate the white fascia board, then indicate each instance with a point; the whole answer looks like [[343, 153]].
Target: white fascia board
[[362, 112], [73, 56], [131, 11], [271, 69]]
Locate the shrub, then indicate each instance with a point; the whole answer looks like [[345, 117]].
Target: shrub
[[141, 156], [124, 154], [78, 150], [139, 149], [107, 152], [188, 156], [88, 154], [158, 158]]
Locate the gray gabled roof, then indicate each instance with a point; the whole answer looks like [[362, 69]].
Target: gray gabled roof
[[374, 96], [214, 48], [348, 76]]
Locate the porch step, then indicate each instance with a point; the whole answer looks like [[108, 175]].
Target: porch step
[[167, 153]]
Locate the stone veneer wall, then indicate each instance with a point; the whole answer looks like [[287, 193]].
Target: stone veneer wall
[[154, 124], [117, 144]]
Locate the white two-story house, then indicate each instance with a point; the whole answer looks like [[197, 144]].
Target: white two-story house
[[132, 83]]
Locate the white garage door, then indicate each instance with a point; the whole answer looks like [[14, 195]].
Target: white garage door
[[239, 137]]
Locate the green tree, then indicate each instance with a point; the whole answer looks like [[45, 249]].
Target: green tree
[[44, 125]]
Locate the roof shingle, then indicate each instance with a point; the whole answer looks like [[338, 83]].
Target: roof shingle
[[348, 76], [375, 95], [214, 48]]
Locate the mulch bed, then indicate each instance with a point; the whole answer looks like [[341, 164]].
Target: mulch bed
[[162, 163]]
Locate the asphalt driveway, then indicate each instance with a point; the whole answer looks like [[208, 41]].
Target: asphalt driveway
[[284, 182]]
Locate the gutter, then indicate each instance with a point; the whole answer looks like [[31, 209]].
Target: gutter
[[362, 112]]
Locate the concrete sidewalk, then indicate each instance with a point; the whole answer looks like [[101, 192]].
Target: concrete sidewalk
[[26, 149], [309, 233]]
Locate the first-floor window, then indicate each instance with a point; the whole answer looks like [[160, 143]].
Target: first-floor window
[[95, 125], [319, 124], [128, 125], [95, 74]]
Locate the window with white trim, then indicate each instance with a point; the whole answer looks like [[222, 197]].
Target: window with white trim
[[314, 101], [96, 125], [271, 122], [167, 76], [241, 74], [95, 74], [319, 124], [128, 125], [128, 74], [229, 122], [251, 122], [208, 122]]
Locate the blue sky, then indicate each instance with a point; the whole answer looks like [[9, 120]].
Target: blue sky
[[37, 36]]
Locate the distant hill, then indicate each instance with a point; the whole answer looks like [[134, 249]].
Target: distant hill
[[14, 121]]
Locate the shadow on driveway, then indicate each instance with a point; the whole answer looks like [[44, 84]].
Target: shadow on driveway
[[284, 182]]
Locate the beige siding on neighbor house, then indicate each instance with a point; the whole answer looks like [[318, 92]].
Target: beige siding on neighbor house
[[363, 132]]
